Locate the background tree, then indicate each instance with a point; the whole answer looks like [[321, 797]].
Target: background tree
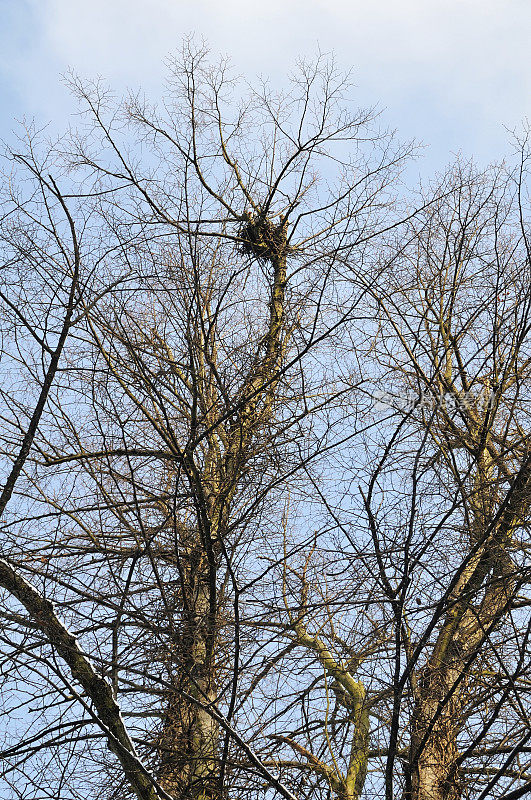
[[451, 549]]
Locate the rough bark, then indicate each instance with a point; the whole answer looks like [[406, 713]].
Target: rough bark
[[189, 741], [477, 605], [189, 744]]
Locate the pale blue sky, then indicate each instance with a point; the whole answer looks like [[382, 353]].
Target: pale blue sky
[[452, 74]]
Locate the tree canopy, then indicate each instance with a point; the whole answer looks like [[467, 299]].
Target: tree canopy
[[266, 457]]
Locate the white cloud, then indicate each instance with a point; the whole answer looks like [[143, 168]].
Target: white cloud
[[454, 70]]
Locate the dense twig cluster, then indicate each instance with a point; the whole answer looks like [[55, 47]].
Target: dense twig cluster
[[262, 238]]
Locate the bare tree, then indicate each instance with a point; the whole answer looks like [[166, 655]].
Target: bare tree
[[451, 546], [226, 573], [183, 412]]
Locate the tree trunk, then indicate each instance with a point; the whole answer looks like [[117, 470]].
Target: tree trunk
[[444, 691], [188, 744], [434, 774]]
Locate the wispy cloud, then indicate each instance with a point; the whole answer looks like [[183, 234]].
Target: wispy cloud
[[453, 71]]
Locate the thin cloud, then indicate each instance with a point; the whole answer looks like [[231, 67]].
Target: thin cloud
[[455, 70]]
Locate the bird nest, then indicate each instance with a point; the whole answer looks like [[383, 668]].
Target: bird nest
[[261, 238]]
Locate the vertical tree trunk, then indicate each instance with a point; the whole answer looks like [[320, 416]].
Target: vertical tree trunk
[[434, 774], [443, 693], [189, 742], [188, 745]]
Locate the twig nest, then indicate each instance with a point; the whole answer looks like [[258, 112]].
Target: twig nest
[[262, 238]]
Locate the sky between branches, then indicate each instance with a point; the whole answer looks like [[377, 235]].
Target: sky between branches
[[450, 73]]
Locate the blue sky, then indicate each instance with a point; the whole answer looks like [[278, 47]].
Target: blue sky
[[451, 74]]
